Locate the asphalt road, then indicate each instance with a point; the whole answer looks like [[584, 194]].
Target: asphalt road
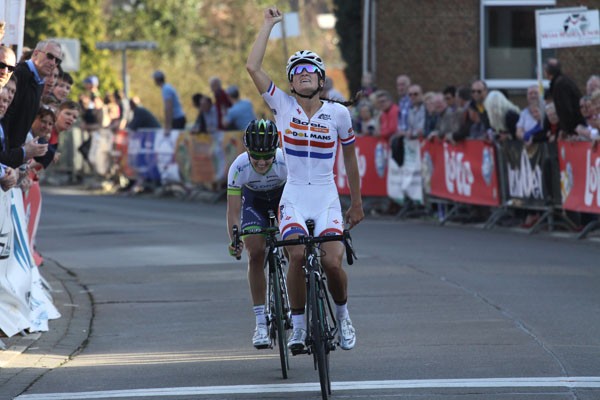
[[447, 312]]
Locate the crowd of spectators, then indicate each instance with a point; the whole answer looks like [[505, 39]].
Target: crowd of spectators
[[473, 111], [457, 113]]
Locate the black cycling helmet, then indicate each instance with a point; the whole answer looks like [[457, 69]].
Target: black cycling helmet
[[261, 136]]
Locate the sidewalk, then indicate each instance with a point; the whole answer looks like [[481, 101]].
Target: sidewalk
[[27, 358]]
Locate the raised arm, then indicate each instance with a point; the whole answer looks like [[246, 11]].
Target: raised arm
[[254, 63]]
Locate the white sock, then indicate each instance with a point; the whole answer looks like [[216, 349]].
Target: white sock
[[259, 312], [341, 312], [298, 321]]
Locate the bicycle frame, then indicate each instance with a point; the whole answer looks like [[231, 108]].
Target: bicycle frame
[[322, 325], [277, 308]]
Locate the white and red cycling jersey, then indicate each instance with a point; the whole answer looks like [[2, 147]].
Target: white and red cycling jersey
[[309, 145]]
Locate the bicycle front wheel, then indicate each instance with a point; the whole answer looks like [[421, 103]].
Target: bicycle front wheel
[[319, 339], [279, 317]]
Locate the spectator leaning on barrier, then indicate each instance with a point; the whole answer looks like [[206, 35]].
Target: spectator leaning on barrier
[[449, 96], [586, 131], [240, 113], [221, 102], [463, 101], [11, 153], [62, 89], [142, 117], [502, 114], [416, 114], [30, 84], [367, 87], [330, 92], [592, 84], [479, 92], [448, 118], [527, 121], [388, 116], [8, 176], [565, 95], [431, 116], [404, 103], [173, 111], [366, 122]]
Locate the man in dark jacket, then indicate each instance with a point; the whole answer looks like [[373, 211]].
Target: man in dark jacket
[[566, 96], [30, 84]]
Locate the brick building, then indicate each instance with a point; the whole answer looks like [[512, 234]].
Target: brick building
[[441, 42]]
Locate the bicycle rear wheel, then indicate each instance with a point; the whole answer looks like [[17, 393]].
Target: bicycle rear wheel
[[319, 339], [279, 317]]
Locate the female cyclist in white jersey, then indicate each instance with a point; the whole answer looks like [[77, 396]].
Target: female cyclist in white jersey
[[310, 131], [254, 185]]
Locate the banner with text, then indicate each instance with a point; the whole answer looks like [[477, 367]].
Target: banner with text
[[372, 155], [465, 172], [531, 172], [580, 176]]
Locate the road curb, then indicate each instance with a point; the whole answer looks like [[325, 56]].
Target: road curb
[[28, 358]]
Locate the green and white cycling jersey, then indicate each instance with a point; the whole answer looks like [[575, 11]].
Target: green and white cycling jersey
[[241, 173]]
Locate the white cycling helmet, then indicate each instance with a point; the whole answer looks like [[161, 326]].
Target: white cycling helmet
[[304, 56]]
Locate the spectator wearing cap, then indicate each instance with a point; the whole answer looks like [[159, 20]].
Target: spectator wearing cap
[[174, 114], [240, 113]]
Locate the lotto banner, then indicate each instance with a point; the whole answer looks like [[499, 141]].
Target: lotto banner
[[372, 155], [465, 172], [580, 176]]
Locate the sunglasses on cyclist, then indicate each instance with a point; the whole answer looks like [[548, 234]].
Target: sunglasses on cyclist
[[262, 156], [11, 68], [298, 69]]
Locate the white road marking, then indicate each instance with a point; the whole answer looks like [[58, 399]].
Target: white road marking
[[591, 382]]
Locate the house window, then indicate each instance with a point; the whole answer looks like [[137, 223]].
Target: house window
[[508, 42]]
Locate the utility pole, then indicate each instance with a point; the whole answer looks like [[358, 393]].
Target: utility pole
[[123, 47]]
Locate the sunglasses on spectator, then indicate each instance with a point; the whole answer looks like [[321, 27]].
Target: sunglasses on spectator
[[298, 69], [262, 156], [11, 68], [52, 57]]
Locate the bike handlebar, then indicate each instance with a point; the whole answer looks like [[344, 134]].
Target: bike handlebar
[[304, 240]]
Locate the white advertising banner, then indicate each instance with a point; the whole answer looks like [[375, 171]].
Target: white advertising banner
[[405, 181], [568, 29], [25, 302]]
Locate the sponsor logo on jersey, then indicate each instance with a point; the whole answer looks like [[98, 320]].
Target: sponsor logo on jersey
[[324, 117]]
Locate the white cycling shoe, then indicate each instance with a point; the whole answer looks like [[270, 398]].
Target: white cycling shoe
[[261, 340], [297, 339], [347, 335]]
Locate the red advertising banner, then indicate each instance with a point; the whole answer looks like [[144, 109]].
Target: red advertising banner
[[465, 172], [372, 155], [579, 176]]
